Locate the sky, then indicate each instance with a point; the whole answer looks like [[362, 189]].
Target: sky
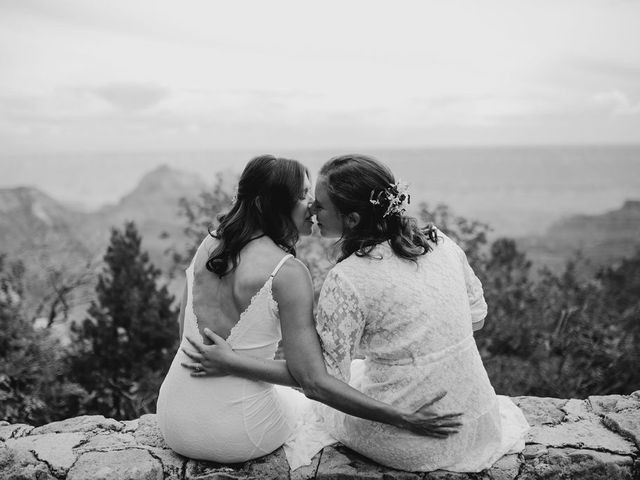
[[89, 75]]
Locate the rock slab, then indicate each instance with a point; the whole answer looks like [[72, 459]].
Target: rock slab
[[134, 464], [596, 438]]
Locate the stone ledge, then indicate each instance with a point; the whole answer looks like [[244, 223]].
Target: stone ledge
[[596, 438]]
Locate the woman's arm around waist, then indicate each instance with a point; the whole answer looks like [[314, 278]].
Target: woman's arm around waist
[[305, 365]]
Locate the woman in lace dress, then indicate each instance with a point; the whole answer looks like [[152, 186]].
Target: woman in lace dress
[[407, 300], [245, 284]]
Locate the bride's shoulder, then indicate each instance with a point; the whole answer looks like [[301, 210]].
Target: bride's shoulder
[[293, 270], [293, 280]]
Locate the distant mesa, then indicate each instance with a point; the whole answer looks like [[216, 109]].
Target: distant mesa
[[601, 239], [165, 177], [632, 205], [163, 184], [620, 222]]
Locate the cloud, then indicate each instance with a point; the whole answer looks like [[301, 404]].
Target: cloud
[[89, 16], [608, 67], [478, 110], [131, 96], [617, 102], [596, 74], [115, 100]]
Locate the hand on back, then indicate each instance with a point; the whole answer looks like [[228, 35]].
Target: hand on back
[[209, 360], [424, 421]]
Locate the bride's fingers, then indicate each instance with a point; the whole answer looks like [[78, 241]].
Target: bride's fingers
[[194, 344], [445, 433], [451, 421], [449, 416], [214, 337], [444, 421], [448, 427], [193, 366], [442, 430], [193, 356]]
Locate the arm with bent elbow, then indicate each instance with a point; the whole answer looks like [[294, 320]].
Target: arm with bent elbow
[[305, 364]]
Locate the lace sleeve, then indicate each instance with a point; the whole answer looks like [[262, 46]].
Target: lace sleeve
[[340, 323], [474, 291]]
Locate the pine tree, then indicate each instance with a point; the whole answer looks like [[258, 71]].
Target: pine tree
[[126, 345]]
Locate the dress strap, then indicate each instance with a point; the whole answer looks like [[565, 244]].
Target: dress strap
[[284, 259]]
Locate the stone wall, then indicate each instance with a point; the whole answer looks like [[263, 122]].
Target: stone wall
[[596, 438]]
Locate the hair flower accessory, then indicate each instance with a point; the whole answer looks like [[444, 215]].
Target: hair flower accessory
[[395, 198]]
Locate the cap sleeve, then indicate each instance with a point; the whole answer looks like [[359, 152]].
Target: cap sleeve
[[340, 322], [475, 293]]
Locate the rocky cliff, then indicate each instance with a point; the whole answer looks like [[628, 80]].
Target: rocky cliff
[[596, 438], [55, 241]]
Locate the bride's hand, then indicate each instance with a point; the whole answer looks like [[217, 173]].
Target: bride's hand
[[424, 421], [209, 360]]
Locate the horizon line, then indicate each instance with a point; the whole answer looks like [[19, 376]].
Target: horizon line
[[342, 148]]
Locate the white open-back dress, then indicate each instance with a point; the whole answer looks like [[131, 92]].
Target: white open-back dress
[[228, 419]]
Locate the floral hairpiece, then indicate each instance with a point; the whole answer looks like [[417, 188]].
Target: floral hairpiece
[[395, 197]]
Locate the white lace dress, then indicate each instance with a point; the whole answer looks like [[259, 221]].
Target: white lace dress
[[413, 324]]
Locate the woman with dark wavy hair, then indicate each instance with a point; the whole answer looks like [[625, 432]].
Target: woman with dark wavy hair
[[406, 299], [267, 188], [245, 284]]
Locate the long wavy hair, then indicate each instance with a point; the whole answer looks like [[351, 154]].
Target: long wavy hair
[[351, 182], [268, 190]]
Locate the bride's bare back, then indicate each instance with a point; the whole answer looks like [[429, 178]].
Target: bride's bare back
[[219, 302]]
